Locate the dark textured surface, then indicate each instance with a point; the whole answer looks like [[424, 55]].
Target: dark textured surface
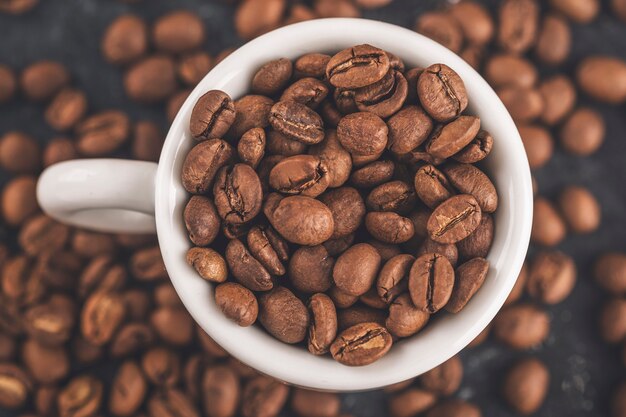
[[584, 370]]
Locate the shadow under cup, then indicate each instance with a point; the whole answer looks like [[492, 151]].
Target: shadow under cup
[[439, 340]]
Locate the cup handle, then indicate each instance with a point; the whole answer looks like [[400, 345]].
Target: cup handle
[[108, 195]]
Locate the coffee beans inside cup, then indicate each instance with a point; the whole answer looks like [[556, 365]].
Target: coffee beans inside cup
[[339, 209]]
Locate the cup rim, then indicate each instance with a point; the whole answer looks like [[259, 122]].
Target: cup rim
[[252, 345]]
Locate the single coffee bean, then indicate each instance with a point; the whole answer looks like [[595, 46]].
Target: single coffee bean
[[344, 100], [432, 186], [548, 227], [151, 80], [372, 299], [202, 164], [408, 129], [209, 264], [261, 244], [238, 194], [373, 174], [405, 319], [393, 279], [518, 25], [610, 272], [201, 220], [171, 403], [212, 116], [454, 408], [297, 122], [431, 280], [272, 77], [521, 326], [554, 40], [102, 273], [473, 55], [469, 278], [303, 175], [173, 325], [19, 200], [411, 402], [132, 338], [580, 209], [178, 32], [470, 180], [128, 390], [526, 385], [395, 196], [41, 234], [237, 303], [442, 92], [22, 284], [612, 322], [453, 137], [125, 40], [475, 21], [524, 104], [43, 79], [102, 133], [603, 78], [337, 160], [310, 269], [301, 220], [336, 8], [551, 277], [583, 131], [385, 97], [359, 314], [102, 314], [81, 397], [254, 18], [363, 134], [580, 11], [361, 344], [59, 150], [263, 397], [444, 379], [311, 65], [510, 69], [357, 67], [442, 28], [91, 244], [356, 269], [50, 323], [283, 315], [8, 84], [338, 246], [454, 219], [389, 227], [220, 391], [66, 109], [559, 97], [19, 153], [308, 91], [323, 326], [138, 303], [251, 147], [46, 364], [477, 244], [449, 251], [164, 296], [147, 265], [307, 403], [193, 67], [279, 144], [15, 386], [538, 144], [348, 210], [245, 268]]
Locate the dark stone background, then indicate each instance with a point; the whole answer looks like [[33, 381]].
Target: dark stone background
[[583, 369]]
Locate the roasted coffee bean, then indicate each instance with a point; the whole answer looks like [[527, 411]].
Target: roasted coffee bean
[[357, 67], [307, 403], [102, 273], [454, 408], [510, 69], [250, 111], [538, 144], [559, 97], [147, 265], [580, 11], [358, 314], [442, 92], [102, 133], [411, 402], [344, 100], [385, 97], [372, 299], [8, 347], [356, 269], [551, 277], [22, 283], [8, 84], [520, 284], [42, 80], [245, 268], [19, 200], [337, 160], [220, 391], [263, 397], [470, 180], [202, 164], [19, 153], [128, 390], [125, 40], [212, 116], [395, 196], [310, 269], [66, 109], [348, 210], [45, 400], [323, 324], [408, 129], [279, 144], [363, 134], [361, 344], [237, 303], [612, 322], [518, 24], [50, 323], [175, 103], [610, 272], [548, 227], [284, 315], [138, 302], [475, 21], [405, 319], [82, 396], [580, 209], [393, 278], [251, 146], [303, 175], [308, 91], [444, 379], [454, 219], [603, 78], [59, 150], [453, 137], [151, 80], [473, 55], [41, 234], [102, 314], [311, 65], [442, 28], [193, 67], [338, 246], [432, 186], [164, 296], [301, 220], [297, 122], [171, 403], [554, 40], [521, 326], [238, 194], [15, 386], [201, 220], [336, 8], [431, 280], [389, 227], [583, 131], [86, 352], [91, 244], [477, 244], [132, 338], [173, 324], [373, 174], [177, 32], [469, 278], [261, 243], [254, 18], [524, 104], [161, 366], [526, 386], [272, 77]]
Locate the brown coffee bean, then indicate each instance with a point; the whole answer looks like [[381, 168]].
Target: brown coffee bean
[[272, 77], [8, 347], [356, 269], [372, 299], [297, 122], [524, 104], [59, 150], [41, 234], [263, 397], [307, 403], [82, 396], [583, 131], [393, 278], [251, 146], [357, 67], [237, 303], [473, 55], [175, 103], [389, 227], [538, 144], [411, 402], [177, 32], [46, 364], [308, 91], [147, 265], [201, 220], [212, 115], [469, 278], [261, 242], [338, 246], [15, 386], [336, 8], [395, 196], [254, 17], [405, 319], [310, 269], [173, 324], [454, 408], [220, 391], [475, 21], [510, 69], [520, 284], [8, 84], [470, 180], [245, 268], [202, 164], [300, 175], [193, 67], [91, 244], [521, 326], [22, 283], [19, 153], [102, 273], [431, 280], [19, 200], [84, 352], [361, 344], [251, 111], [50, 323], [359, 314], [453, 137], [580, 11], [372, 4], [373, 174], [442, 92], [580, 209], [323, 325], [102, 314], [477, 244], [348, 210], [454, 219], [363, 134], [102, 133], [151, 80], [442, 28], [45, 400], [385, 97], [554, 40], [311, 65], [128, 390], [445, 379], [548, 227], [603, 78], [279, 144], [612, 322], [43, 79], [171, 403], [138, 302], [283, 315], [301, 220], [526, 386], [610, 272], [518, 24], [132, 338], [408, 129], [337, 160], [164, 296], [559, 97], [66, 109], [125, 40], [238, 194], [432, 186], [551, 277]]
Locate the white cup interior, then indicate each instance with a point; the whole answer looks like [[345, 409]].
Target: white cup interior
[[444, 336]]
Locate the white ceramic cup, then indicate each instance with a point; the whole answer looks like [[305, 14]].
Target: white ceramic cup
[[131, 196]]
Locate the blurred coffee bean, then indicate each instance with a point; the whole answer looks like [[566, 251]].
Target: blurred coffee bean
[[610, 272], [336, 8], [583, 131], [580, 11], [526, 385], [454, 408], [220, 391], [132, 338], [548, 228], [128, 390], [307, 403], [46, 364], [411, 402], [580, 209], [175, 103], [551, 277], [256, 17], [82, 396], [510, 70], [538, 144], [15, 388], [442, 28], [147, 141], [147, 265], [619, 8], [170, 403], [125, 40], [151, 80], [41, 234], [102, 314], [192, 68], [612, 322], [41, 80], [554, 40], [475, 21], [559, 98], [603, 78], [91, 244], [177, 32], [59, 150], [8, 84], [444, 379], [19, 153], [162, 367], [102, 133], [101, 273], [19, 200], [66, 109], [263, 397], [524, 104], [518, 24], [173, 325], [521, 326]]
